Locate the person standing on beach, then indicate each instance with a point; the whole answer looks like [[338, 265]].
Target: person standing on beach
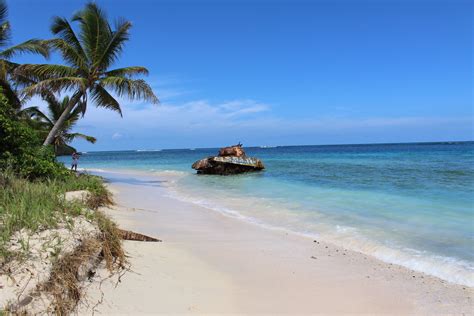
[[75, 158]]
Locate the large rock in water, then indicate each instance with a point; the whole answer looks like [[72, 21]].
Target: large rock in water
[[231, 160]]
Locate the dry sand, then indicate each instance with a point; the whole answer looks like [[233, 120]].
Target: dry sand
[[209, 263]]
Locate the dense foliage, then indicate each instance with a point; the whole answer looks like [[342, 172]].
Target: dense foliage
[[20, 147], [45, 121]]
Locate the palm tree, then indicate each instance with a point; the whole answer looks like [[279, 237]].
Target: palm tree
[[88, 56], [45, 122], [7, 53]]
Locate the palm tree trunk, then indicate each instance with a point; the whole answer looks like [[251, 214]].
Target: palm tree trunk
[[59, 123]]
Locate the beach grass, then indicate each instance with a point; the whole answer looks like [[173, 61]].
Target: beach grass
[[39, 205]]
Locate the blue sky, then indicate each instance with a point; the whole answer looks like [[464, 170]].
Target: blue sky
[[283, 72]]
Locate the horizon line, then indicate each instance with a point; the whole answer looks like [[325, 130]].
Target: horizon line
[[301, 145]]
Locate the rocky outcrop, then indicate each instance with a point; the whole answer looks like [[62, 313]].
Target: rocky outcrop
[[231, 160]]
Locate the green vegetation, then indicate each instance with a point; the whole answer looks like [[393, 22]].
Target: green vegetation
[[21, 149], [45, 122], [32, 183], [39, 205]]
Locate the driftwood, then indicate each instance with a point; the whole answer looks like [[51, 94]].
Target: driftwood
[[129, 235]]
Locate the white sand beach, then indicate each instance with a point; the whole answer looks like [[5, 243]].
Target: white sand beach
[[209, 263]]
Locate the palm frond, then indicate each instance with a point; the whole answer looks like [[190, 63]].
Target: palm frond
[[95, 31], [134, 89], [56, 85], [9, 92], [38, 72], [74, 57], [65, 32], [5, 32], [71, 136], [32, 46], [102, 98], [115, 46], [55, 107], [35, 112], [6, 68], [3, 11], [128, 72], [82, 104], [79, 110]]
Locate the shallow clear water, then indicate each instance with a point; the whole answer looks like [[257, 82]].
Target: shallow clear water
[[411, 204]]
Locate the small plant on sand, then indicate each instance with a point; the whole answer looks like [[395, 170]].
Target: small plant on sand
[[25, 244]]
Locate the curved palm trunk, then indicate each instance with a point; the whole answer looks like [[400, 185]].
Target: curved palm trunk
[[59, 123]]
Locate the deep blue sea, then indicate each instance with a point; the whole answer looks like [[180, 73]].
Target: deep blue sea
[[410, 204]]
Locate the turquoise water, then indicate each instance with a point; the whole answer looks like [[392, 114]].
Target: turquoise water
[[410, 204]]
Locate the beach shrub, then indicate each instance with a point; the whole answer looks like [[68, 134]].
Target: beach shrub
[[99, 195], [21, 149]]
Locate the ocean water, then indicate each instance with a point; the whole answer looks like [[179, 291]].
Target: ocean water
[[409, 204]]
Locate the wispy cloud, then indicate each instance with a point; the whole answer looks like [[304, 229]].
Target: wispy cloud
[[239, 108], [204, 123], [175, 123], [116, 135]]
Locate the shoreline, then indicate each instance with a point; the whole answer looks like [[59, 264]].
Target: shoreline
[[209, 257], [430, 264]]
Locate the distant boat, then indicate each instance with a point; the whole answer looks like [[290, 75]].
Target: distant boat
[[267, 146]]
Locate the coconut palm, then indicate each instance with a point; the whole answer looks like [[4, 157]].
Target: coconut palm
[[45, 122], [88, 56], [7, 53]]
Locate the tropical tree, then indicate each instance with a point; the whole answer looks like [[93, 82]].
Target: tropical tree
[[88, 56], [44, 122], [7, 67]]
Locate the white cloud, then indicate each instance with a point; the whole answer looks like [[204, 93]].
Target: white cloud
[[202, 123], [199, 112], [116, 135]]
